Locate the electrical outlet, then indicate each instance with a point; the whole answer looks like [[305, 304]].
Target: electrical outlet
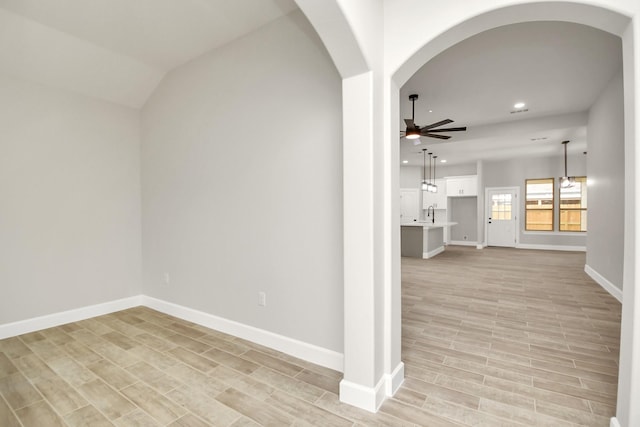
[[167, 278], [262, 299]]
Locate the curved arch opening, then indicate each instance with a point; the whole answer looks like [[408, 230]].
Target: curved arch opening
[[600, 18]]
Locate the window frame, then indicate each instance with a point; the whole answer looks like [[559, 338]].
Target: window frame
[[552, 209], [560, 209]]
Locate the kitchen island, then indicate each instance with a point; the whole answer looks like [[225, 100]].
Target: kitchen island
[[422, 239]]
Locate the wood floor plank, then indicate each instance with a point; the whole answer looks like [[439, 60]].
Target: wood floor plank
[[71, 371], [7, 417], [6, 366], [39, 414], [60, 395], [13, 347], [112, 374], [192, 359], [205, 407], [18, 391], [261, 412], [154, 377], [414, 415], [106, 399], [301, 410], [137, 418], [153, 403], [87, 416]]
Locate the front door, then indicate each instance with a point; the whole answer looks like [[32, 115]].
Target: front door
[[502, 215]]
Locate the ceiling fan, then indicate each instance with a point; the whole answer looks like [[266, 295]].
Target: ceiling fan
[[414, 131]]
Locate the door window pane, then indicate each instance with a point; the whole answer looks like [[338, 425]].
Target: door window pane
[[501, 206]]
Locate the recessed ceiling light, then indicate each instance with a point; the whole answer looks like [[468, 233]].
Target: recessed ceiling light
[[519, 105], [405, 161], [443, 161], [431, 111]]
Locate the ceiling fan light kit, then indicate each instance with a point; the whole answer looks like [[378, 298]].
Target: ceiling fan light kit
[[566, 181], [412, 134]]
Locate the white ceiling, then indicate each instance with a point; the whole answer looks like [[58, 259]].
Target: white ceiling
[[119, 50], [558, 69]]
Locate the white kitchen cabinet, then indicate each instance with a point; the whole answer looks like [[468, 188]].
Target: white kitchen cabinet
[[462, 186], [437, 200]]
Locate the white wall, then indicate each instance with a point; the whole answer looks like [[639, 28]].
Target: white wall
[[242, 185], [605, 163], [70, 191]]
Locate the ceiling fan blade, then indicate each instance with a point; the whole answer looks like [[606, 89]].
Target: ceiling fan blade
[[435, 135], [409, 123], [440, 123], [448, 129]]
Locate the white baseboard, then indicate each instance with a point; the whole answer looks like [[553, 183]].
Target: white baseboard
[[602, 281], [367, 398], [431, 254], [463, 243], [552, 247], [614, 422], [394, 380], [371, 398], [302, 350], [305, 351], [50, 320]]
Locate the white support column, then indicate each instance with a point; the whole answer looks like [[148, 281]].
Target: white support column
[[393, 366], [372, 301], [628, 411], [362, 385]]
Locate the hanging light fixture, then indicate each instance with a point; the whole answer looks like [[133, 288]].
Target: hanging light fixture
[[434, 187], [425, 184], [566, 181], [430, 184]]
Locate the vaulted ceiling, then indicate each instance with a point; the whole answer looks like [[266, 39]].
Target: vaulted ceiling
[[119, 50]]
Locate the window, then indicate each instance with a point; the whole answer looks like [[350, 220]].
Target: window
[[573, 206], [539, 204]]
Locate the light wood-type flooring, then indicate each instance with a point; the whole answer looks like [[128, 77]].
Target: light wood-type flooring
[[491, 337]]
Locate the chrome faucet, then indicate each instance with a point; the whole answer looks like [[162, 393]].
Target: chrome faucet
[[433, 213]]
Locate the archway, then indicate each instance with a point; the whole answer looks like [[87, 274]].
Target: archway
[[603, 19]]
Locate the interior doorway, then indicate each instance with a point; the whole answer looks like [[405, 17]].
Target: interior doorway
[[502, 213]]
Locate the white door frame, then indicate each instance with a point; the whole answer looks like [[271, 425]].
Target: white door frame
[[515, 210]]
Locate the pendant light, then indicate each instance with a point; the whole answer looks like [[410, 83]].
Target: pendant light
[[434, 187], [425, 184], [430, 184], [566, 181]]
